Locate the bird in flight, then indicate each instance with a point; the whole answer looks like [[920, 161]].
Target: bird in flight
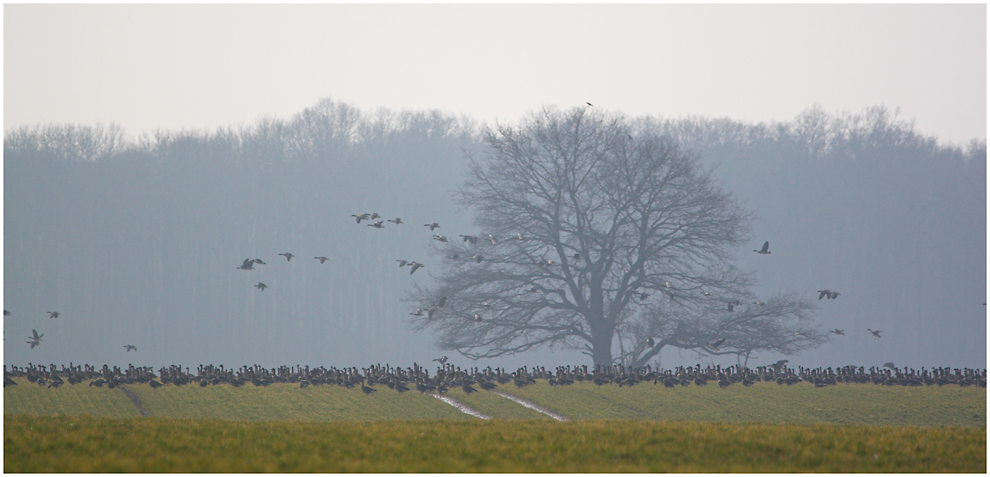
[[469, 238], [259, 262], [838, 332], [415, 266], [402, 263], [875, 333], [130, 348], [396, 221], [439, 238], [378, 225], [715, 345], [361, 217], [589, 104], [432, 225], [247, 265], [52, 314], [441, 360], [765, 250], [831, 295], [288, 256], [890, 364], [261, 286], [321, 259]]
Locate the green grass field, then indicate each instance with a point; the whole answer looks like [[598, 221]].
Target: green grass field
[[92, 444]]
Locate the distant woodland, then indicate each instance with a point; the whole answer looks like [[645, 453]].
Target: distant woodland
[[137, 241]]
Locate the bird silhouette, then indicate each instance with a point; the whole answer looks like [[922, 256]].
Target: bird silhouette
[[650, 342], [395, 221], [52, 314], [875, 333], [442, 302], [378, 225], [247, 265], [432, 225], [589, 104], [441, 360], [439, 238], [36, 336], [402, 263], [468, 238], [259, 262], [321, 259], [288, 256], [890, 364], [838, 332], [261, 286], [824, 293], [415, 266], [6, 313], [130, 348], [361, 217], [765, 250]]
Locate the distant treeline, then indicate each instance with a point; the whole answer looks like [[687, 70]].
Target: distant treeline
[[136, 241]]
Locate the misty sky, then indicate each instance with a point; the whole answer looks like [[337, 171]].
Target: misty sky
[[146, 67]]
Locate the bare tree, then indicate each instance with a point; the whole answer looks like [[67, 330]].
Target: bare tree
[[779, 324], [585, 223]]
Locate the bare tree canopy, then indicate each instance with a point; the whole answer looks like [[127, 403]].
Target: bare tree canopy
[[591, 229]]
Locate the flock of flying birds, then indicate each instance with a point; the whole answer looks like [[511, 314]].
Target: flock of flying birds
[[248, 264], [35, 338]]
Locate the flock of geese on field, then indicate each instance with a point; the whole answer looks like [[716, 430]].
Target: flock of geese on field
[[448, 376]]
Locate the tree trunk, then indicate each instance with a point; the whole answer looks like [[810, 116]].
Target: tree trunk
[[601, 347]]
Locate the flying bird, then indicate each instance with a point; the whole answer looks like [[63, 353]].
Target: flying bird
[[477, 317], [378, 225], [765, 250], [833, 295], [589, 104], [288, 256], [247, 265], [875, 333], [396, 221], [52, 314], [824, 293], [468, 238], [492, 239], [374, 215], [130, 348], [36, 336], [890, 364], [321, 259], [432, 225], [402, 263], [441, 360], [439, 238], [415, 266], [34, 343], [715, 345], [838, 332], [361, 217], [520, 236], [261, 286]]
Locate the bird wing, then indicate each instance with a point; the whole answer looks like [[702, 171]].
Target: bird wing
[[766, 246]]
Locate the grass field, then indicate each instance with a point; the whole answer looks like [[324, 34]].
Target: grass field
[[767, 403], [91, 444]]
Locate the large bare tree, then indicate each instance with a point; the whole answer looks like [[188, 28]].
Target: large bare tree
[[586, 224]]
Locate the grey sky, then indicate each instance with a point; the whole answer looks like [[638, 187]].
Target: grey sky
[[204, 66]]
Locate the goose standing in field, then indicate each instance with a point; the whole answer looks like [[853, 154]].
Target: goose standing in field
[[247, 265], [261, 286], [367, 390], [765, 250], [875, 333], [288, 256], [395, 221], [432, 225], [130, 348], [52, 314], [321, 259], [378, 225]]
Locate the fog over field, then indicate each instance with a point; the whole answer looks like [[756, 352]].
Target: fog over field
[[156, 148], [139, 243]]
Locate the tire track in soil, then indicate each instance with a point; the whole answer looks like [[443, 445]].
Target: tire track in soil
[[134, 400]]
